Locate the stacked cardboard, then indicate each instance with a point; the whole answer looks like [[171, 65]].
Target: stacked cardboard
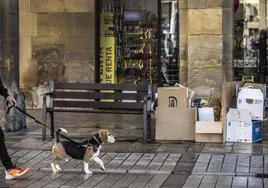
[[252, 100], [244, 124], [241, 128], [174, 119], [208, 125]]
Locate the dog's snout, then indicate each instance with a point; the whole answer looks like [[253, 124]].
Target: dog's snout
[[111, 139]]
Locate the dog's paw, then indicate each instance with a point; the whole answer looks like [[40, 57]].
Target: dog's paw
[[54, 170], [58, 168], [88, 172]]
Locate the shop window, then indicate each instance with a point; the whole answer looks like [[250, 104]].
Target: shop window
[[135, 46], [169, 42], [246, 40]]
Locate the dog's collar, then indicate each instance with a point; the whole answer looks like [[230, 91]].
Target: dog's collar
[[97, 140]]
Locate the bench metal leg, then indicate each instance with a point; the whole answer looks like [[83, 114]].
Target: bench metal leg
[[149, 126], [145, 123], [52, 129], [44, 130]]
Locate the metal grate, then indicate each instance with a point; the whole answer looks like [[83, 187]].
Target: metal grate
[[261, 175]]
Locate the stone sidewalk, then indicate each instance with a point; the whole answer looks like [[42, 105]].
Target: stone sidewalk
[[26, 141], [135, 164], [131, 163], [156, 169]]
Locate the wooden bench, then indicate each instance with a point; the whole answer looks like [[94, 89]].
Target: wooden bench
[[98, 98]]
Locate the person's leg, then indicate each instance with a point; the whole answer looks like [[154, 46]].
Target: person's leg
[[11, 171], [3, 152]]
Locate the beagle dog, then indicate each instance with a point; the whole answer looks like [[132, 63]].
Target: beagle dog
[[86, 150]]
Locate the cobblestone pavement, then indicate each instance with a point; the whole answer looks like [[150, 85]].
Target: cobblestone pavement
[[122, 170], [160, 169], [131, 163]]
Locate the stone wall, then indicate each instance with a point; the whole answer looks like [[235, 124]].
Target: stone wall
[[205, 43], [57, 41], [206, 47]]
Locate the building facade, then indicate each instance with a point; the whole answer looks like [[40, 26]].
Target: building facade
[[198, 43], [61, 40], [57, 41]]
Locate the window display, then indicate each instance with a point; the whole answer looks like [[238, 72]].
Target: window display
[[129, 51], [246, 41], [169, 42], [140, 47]]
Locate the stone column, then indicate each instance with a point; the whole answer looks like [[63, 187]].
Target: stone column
[[205, 43], [183, 46], [49, 33], [27, 29], [14, 120], [206, 46]]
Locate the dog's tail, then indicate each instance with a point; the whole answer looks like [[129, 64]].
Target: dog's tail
[[57, 133]]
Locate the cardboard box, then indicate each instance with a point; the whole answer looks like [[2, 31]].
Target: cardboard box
[[262, 87], [173, 97], [213, 138], [175, 123], [208, 131], [204, 127], [235, 117], [251, 100], [244, 132], [251, 132], [241, 128], [232, 131]]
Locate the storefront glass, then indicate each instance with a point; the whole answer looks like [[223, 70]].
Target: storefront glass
[[246, 40], [169, 42], [130, 51]]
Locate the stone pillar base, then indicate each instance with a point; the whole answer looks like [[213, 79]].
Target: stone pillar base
[[15, 120]]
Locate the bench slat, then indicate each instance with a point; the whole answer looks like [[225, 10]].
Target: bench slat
[[98, 95], [106, 111], [87, 98], [88, 86], [98, 104]]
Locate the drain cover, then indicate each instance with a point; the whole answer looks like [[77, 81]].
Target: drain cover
[[260, 175]]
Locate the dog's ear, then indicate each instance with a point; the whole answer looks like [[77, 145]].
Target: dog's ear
[[104, 135]]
